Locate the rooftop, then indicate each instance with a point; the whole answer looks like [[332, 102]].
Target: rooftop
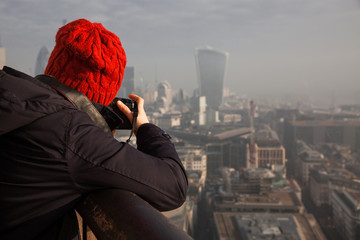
[[330, 123], [350, 199], [241, 226], [270, 200]]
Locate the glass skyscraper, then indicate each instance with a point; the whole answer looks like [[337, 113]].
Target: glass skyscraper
[[211, 66]]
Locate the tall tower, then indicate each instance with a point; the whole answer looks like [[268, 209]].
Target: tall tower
[[164, 97], [129, 80], [128, 83], [2, 56], [211, 66], [41, 61]]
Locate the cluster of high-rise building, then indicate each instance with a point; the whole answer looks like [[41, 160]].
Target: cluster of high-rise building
[[256, 171], [270, 172]]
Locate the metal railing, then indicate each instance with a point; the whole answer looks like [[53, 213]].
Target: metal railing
[[120, 215]]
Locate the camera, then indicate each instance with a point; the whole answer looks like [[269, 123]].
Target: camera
[[117, 119]]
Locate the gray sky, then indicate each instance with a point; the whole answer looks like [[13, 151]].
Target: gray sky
[[307, 49]]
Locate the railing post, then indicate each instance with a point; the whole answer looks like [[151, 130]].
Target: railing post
[[120, 215]]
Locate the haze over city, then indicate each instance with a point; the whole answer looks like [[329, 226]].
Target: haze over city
[[297, 49], [279, 158]]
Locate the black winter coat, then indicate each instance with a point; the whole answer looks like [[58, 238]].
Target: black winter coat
[[52, 155]]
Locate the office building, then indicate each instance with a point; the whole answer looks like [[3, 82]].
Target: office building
[[211, 66], [250, 204], [268, 154], [307, 158], [193, 159], [223, 153], [247, 226], [2, 57], [129, 80], [128, 83], [323, 181], [164, 98], [251, 181], [319, 187], [313, 132], [149, 96], [198, 106], [212, 117], [217, 154], [41, 61], [167, 120], [346, 213], [224, 149]]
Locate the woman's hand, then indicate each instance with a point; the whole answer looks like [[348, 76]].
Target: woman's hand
[[141, 118]]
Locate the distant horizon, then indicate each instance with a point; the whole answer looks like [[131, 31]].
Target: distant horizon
[[293, 97], [294, 49]]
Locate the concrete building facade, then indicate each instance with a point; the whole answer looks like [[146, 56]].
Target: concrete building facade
[[346, 213], [316, 132], [198, 105], [246, 226], [164, 98], [307, 159]]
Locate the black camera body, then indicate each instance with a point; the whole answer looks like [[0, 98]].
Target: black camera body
[[118, 120]]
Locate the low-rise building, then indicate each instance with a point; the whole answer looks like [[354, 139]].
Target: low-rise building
[[272, 202], [248, 226], [307, 159], [346, 213], [166, 121], [323, 181], [319, 187]]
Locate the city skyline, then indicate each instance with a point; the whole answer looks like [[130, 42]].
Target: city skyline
[[280, 49]]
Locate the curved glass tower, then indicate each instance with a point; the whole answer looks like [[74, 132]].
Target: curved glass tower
[[211, 66]]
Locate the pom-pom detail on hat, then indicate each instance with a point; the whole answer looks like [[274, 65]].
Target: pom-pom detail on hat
[[88, 58]]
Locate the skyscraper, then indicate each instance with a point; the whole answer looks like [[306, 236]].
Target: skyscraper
[[2, 55], [129, 80], [211, 66], [164, 97], [128, 83], [41, 61]]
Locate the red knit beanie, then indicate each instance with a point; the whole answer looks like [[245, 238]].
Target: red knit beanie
[[88, 58]]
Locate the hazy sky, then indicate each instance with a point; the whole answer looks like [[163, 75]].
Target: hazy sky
[[307, 49]]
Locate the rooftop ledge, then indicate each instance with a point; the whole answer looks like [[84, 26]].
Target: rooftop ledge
[[120, 215]]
